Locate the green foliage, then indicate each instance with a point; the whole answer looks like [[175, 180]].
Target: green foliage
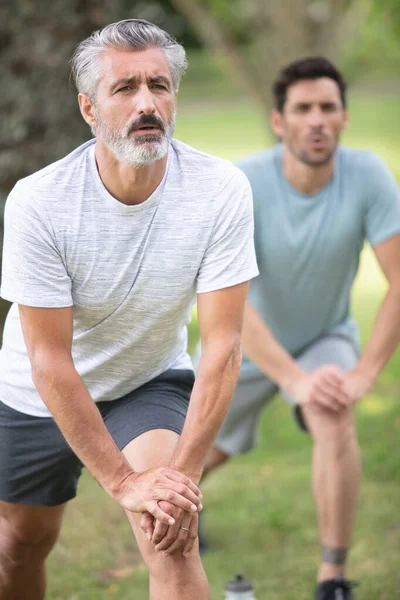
[[376, 55], [163, 14], [389, 12], [237, 21]]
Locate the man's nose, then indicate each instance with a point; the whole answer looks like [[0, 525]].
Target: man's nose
[[145, 101], [316, 118]]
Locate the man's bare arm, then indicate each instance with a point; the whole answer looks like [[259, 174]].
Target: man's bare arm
[[322, 386], [385, 335], [48, 337], [220, 316], [260, 346]]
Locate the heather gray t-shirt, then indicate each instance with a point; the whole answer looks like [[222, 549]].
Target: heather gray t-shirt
[[130, 273]]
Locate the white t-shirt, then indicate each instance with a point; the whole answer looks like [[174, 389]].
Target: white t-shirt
[[130, 273]]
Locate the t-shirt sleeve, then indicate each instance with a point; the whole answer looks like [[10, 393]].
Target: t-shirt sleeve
[[383, 207], [230, 256], [33, 272]]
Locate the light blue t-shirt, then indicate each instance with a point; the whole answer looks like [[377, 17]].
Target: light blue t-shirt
[[308, 247]]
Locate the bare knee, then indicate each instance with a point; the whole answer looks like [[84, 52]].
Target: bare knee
[[334, 433], [19, 549], [175, 569]]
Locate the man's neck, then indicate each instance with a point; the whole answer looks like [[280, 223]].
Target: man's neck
[[125, 183], [305, 178]]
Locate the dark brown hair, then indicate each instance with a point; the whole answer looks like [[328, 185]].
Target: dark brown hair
[[312, 67]]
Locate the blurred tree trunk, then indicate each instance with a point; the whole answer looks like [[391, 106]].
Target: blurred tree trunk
[[277, 32], [40, 121]]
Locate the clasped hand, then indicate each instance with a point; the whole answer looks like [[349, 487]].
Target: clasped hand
[[159, 492], [169, 502], [329, 387], [173, 538], [178, 537]]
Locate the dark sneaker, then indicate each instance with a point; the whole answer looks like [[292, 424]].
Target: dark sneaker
[[335, 589]]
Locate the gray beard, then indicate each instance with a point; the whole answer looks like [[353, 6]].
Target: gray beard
[[138, 152]]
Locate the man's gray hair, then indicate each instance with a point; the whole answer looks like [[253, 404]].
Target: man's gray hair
[[129, 34]]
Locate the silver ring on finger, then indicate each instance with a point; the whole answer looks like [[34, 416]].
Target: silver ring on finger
[[184, 528]]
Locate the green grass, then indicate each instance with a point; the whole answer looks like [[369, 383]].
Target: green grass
[[259, 511]]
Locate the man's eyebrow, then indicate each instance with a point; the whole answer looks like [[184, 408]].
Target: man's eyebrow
[[134, 80], [329, 103], [160, 79], [123, 81], [324, 103]]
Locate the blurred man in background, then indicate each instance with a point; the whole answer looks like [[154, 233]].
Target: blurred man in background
[[104, 253], [315, 204]]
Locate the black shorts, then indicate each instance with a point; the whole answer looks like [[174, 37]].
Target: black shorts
[[38, 467]]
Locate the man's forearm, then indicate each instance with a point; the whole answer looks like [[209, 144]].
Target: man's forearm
[[260, 346], [212, 393], [80, 421], [385, 335]]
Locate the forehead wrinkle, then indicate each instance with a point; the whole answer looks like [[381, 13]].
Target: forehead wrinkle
[[129, 64]]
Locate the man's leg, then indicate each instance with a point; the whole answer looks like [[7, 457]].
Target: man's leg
[[336, 460], [38, 475], [238, 433], [27, 534], [336, 478], [215, 458], [172, 577]]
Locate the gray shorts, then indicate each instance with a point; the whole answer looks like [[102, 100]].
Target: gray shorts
[[38, 467], [239, 431]]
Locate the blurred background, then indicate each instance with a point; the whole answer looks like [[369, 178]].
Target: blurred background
[[259, 511]]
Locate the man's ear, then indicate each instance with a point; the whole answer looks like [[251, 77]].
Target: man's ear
[[87, 109], [277, 123], [345, 120]]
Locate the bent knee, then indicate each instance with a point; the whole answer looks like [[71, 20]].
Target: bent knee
[[174, 567], [334, 430], [18, 549]]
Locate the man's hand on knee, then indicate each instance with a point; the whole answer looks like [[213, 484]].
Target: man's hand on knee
[[141, 492], [322, 388], [357, 384], [179, 537], [187, 536]]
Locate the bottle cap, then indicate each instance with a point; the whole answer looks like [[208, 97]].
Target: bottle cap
[[239, 584]]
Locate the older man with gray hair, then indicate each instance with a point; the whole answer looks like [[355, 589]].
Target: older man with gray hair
[[105, 252]]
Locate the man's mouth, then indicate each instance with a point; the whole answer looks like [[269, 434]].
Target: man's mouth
[[147, 128], [318, 141]]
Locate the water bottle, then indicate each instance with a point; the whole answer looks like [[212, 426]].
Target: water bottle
[[239, 589]]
